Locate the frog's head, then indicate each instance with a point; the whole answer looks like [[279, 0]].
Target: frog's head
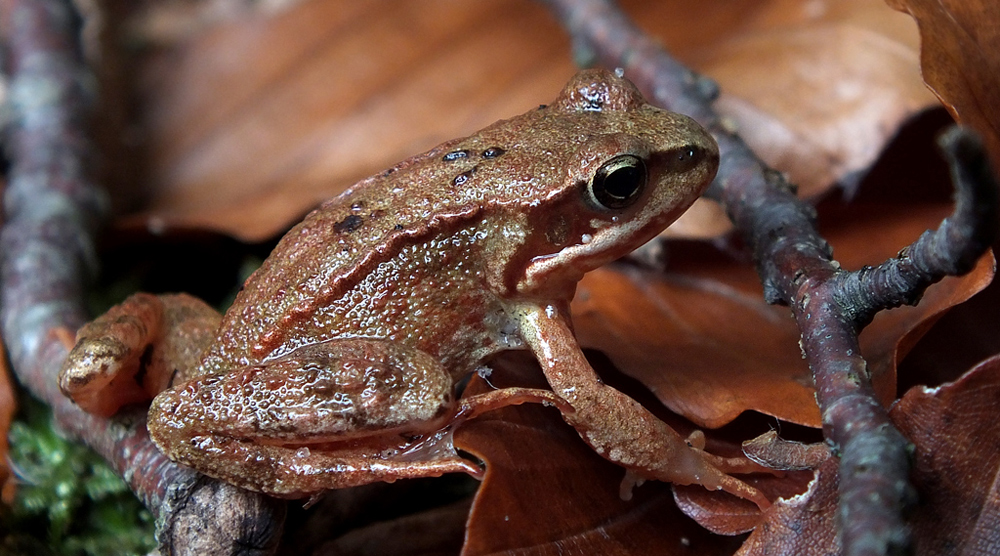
[[635, 170]]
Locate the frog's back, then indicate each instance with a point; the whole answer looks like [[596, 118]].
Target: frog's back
[[443, 192], [479, 188]]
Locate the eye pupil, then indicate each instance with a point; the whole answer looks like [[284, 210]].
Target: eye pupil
[[619, 182]]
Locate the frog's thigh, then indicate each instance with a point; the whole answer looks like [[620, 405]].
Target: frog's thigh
[[130, 353], [346, 387], [365, 391]]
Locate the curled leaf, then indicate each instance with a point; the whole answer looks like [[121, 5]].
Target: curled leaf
[[772, 451], [960, 59], [957, 463]]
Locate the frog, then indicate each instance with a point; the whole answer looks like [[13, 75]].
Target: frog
[[337, 363]]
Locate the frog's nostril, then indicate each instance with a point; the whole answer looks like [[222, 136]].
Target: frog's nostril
[[682, 159]]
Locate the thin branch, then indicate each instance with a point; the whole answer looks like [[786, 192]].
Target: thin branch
[[797, 269], [51, 212], [950, 250]]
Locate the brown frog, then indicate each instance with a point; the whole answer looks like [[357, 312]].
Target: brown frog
[[336, 364]]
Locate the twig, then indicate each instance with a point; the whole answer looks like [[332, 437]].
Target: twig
[[51, 211], [795, 264], [952, 249]]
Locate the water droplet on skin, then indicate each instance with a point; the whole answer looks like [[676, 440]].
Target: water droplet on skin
[[455, 155]]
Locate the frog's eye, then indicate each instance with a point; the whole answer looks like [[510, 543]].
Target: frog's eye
[[619, 182]]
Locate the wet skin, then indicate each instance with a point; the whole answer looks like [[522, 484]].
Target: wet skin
[[338, 359]]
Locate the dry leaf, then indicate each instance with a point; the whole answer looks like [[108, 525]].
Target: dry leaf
[[252, 122], [804, 525], [259, 120], [770, 450], [960, 58], [847, 73], [956, 438], [957, 463], [723, 514], [438, 531], [701, 337]]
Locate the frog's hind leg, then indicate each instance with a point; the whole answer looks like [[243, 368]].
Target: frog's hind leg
[[338, 413], [132, 352], [297, 471], [305, 471]]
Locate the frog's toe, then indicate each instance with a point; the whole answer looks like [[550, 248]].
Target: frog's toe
[[99, 375], [91, 364]]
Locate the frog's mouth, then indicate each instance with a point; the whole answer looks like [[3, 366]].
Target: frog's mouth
[[596, 248]]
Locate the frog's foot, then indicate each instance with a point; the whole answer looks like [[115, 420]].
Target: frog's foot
[[290, 471], [624, 432], [130, 353], [100, 372], [713, 473]]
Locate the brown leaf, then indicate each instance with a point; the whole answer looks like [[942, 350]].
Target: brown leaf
[[727, 515], [438, 531], [546, 492], [847, 73], [701, 337], [258, 120], [957, 463], [251, 122], [716, 512], [960, 59], [964, 336], [803, 525], [772, 451], [956, 438]]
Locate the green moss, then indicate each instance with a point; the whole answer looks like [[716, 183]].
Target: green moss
[[68, 499]]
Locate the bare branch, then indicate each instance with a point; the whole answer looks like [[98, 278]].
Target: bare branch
[[51, 211], [950, 250], [797, 269]]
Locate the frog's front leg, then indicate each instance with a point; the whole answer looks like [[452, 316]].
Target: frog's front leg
[[615, 425], [134, 351], [339, 413]]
